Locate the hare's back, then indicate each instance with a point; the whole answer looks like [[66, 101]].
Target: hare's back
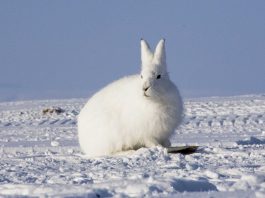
[[114, 96]]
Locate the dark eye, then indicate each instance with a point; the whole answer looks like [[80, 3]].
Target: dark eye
[[158, 76], [141, 76]]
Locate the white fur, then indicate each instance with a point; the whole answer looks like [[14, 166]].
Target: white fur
[[123, 116]]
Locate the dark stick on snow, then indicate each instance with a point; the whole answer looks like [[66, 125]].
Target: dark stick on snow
[[185, 150]]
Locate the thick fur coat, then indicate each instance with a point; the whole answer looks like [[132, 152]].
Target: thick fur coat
[[136, 111]]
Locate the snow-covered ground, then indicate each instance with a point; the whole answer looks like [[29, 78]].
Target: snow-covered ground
[[40, 155]]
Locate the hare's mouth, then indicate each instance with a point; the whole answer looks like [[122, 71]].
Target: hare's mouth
[[146, 94]]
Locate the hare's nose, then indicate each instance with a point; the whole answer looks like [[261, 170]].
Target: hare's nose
[[146, 88]]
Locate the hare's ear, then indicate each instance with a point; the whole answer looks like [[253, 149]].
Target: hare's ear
[[146, 54], [160, 52]]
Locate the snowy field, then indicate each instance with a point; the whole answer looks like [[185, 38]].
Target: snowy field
[[40, 155]]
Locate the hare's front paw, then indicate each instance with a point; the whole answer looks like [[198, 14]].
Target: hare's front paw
[[165, 143], [150, 144]]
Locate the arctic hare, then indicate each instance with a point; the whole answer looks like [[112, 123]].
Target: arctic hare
[[136, 111]]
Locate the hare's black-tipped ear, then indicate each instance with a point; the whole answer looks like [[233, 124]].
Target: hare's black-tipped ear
[[160, 52], [146, 54]]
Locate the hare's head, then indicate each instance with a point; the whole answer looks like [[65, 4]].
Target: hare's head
[[154, 76]]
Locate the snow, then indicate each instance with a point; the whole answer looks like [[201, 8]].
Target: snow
[[40, 155]]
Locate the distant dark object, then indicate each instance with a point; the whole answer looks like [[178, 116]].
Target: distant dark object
[[52, 110], [185, 150]]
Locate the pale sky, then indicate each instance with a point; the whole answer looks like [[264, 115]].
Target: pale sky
[[70, 49]]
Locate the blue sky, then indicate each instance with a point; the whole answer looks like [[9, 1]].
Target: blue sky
[[65, 49]]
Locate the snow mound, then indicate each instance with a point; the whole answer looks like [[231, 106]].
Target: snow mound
[[251, 182], [251, 140]]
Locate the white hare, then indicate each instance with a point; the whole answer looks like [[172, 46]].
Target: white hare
[[136, 111]]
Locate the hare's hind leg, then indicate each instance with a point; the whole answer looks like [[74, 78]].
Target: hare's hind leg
[[166, 143]]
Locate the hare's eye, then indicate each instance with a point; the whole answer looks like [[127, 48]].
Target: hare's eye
[[158, 76], [141, 76]]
